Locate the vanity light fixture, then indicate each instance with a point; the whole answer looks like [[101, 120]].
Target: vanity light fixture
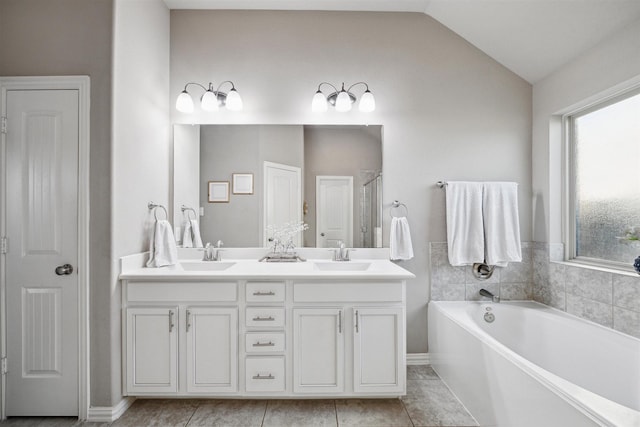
[[342, 99], [211, 100]]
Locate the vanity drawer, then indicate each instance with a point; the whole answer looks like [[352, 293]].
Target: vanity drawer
[[182, 291], [267, 342], [267, 317], [264, 373], [265, 291], [348, 291]]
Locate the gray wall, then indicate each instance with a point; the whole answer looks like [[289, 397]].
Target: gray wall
[[73, 37], [344, 151], [448, 110], [225, 150]]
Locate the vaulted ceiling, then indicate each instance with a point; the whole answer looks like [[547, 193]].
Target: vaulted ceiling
[[532, 38]]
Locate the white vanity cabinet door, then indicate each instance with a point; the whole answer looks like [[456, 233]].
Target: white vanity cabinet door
[[152, 350], [378, 350], [318, 350], [212, 349]]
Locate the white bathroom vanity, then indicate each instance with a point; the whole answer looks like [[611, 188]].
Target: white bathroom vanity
[[241, 328]]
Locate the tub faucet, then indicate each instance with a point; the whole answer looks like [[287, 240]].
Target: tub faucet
[[486, 293]]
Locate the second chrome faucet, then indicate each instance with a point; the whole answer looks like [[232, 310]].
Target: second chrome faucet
[[211, 253]]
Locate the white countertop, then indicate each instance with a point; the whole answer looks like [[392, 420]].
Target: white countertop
[[243, 268]]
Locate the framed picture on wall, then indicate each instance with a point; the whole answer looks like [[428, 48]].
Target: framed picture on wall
[[242, 183], [218, 191]]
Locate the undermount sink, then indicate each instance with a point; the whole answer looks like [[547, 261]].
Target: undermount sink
[[342, 266], [206, 265]]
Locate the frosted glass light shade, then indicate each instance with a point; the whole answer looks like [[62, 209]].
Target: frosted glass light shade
[[319, 103], [234, 102], [184, 103], [343, 101], [209, 101], [367, 102]]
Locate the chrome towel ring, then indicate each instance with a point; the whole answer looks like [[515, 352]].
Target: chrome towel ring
[[397, 205], [155, 207], [184, 208]]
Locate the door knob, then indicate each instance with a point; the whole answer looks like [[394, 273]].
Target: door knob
[[62, 270], [322, 234]]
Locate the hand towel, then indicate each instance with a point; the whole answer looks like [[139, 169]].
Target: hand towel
[[400, 246], [162, 245], [195, 233], [187, 237], [465, 233], [501, 227]]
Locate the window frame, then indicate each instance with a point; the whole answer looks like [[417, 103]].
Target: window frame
[[569, 180]]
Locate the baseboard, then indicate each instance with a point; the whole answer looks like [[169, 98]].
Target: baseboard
[[107, 414], [418, 359]]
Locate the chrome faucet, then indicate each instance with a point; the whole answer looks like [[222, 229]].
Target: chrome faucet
[[486, 293], [211, 253], [341, 253]]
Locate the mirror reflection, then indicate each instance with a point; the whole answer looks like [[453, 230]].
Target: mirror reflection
[[244, 180]]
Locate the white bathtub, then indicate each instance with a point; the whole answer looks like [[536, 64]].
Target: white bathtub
[[535, 365]]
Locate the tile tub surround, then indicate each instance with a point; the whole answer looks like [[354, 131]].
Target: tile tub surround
[[608, 298], [428, 403], [448, 283]]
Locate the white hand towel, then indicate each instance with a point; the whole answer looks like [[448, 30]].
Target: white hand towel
[[400, 246], [162, 245], [195, 231], [465, 234], [187, 238], [501, 227]]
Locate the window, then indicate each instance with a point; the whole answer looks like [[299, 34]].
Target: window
[[605, 181]]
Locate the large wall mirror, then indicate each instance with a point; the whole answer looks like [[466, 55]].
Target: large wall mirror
[[239, 179]]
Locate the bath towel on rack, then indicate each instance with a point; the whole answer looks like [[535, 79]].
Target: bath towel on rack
[[162, 245], [465, 231], [400, 247], [501, 225]]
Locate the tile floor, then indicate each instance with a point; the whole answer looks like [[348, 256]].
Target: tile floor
[[428, 403]]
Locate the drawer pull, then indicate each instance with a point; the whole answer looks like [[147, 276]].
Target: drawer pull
[[264, 319], [264, 294], [264, 344], [264, 377]]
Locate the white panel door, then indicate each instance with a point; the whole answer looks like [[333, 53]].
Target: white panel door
[[334, 211], [379, 360], [152, 350], [282, 198], [42, 222], [318, 350], [212, 349]]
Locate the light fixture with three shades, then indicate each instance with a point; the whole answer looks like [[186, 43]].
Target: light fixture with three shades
[[211, 100], [342, 99]]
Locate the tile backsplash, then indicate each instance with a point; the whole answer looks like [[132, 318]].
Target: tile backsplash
[[608, 298]]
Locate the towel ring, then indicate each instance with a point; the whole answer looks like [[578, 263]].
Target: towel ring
[[395, 205], [155, 207], [187, 209]]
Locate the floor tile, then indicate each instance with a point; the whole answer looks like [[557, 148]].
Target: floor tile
[[372, 413], [158, 412], [431, 403], [290, 413], [228, 413], [421, 372]]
